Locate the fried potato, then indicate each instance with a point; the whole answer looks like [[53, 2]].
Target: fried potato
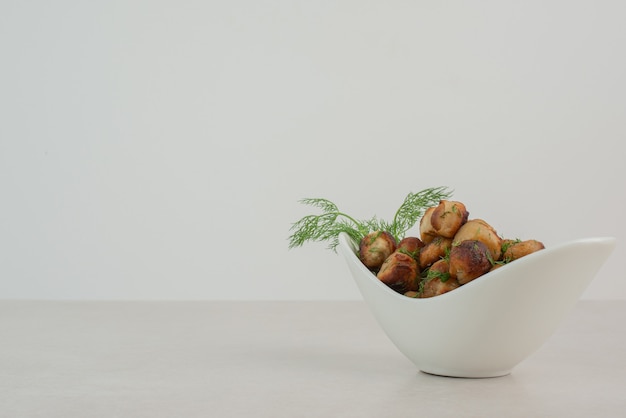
[[479, 230], [411, 246], [427, 231], [400, 272], [468, 260], [514, 249], [448, 217], [434, 251], [438, 280], [375, 247]]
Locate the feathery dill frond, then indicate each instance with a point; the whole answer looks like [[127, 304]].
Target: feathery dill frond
[[328, 225]]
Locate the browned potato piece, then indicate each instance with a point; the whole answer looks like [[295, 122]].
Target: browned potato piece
[[412, 294], [433, 251], [468, 260], [375, 247], [427, 232], [436, 287], [400, 272], [439, 268], [479, 230], [448, 217], [411, 246], [438, 280], [518, 249]]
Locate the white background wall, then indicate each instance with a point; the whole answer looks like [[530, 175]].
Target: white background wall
[[157, 149]]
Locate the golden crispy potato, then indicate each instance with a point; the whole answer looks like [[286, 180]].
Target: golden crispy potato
[[427, 232], [434, 251], [400, 272], [411, 246], [479, 230], [441, 267], [375, 247], [468, 260], [514, 249], [438, 280], [448, 217]]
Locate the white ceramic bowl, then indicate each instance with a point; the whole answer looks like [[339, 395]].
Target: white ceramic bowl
[[488, 326]]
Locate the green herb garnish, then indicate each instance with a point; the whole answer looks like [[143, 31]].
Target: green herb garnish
[[443, 276], [413, 207], [505, 246], [331, 222], [508, 243]]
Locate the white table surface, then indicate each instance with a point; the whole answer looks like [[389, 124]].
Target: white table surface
[[282, 359]]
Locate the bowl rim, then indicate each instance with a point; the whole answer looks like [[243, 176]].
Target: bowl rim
[[349, 249]]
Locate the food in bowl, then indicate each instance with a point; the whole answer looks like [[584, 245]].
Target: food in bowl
[[452, 249]]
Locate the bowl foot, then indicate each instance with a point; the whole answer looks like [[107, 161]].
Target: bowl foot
[[468, 375]]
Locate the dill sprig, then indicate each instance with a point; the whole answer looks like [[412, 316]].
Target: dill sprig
[[327, 226], [331, 222], [441, 275], [413, 207]]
